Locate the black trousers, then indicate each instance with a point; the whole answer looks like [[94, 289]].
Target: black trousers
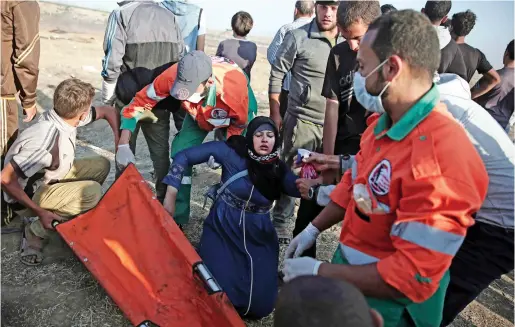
[[283, 102], [486, 254], [308, 210]]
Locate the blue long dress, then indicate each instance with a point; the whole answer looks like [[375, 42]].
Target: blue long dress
[[239, 248]]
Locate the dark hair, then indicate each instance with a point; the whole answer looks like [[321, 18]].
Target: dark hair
[[409, 35], [437, 10], [319, 301], [72, 97], [327, 3], [350, 12], [463, 22], [447, 24], [387, 8], [242, 23], [510, 49], [306, 8]]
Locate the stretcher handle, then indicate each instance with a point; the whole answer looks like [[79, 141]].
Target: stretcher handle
[[55, 223], [207, 278]]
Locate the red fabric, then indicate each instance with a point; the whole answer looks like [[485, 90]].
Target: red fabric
[[143, 260]]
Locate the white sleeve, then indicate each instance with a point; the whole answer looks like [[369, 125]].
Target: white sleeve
[[323, 198], [202, 25]]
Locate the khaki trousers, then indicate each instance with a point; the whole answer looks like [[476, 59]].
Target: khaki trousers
[[79, 191]]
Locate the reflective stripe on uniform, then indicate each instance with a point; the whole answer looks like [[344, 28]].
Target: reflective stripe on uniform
[[428, 237], [151, 93], [356, 257]]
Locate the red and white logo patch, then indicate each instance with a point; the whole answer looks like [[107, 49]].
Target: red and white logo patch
[[183, 94], [380, 178]]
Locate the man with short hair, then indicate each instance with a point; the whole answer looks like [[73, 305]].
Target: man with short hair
[[475, 60], [314, 301], [345, 117], [304, 54], [238, 48], [303, 13], [137, 49], [451, 58], [213, 92], [497, 100], [41, 180], [405, 204]]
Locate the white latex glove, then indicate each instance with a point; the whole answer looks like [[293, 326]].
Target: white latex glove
[[124, 156], [108, 92], [304, 266], [212, 163], [302, 242]]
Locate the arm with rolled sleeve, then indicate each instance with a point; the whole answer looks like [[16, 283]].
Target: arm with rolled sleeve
[[283, 63], [432, 220], [26, 50], [115, 40]]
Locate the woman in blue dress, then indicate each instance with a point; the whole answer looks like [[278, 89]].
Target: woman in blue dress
[[239, 244]]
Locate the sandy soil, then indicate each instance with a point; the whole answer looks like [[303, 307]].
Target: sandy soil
[[62, 292]]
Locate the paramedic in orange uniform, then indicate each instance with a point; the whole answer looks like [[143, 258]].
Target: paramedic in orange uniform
[[408, 200], [214, 92]]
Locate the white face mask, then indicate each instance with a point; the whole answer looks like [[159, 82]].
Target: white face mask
[[370, 102], [195, 98]]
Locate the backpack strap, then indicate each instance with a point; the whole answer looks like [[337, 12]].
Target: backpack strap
[[233, 178]]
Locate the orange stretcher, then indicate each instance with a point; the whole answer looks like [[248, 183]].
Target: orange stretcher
[[144, 262]]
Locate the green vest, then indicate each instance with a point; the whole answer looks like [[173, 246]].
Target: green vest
[[425, 314]]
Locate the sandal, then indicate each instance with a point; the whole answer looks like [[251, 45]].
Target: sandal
[[30, 254]]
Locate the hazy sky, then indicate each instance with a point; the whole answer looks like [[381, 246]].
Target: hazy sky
[[493, 31]]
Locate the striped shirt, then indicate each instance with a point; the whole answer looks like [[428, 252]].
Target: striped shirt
[[278, 40], [44, 152]]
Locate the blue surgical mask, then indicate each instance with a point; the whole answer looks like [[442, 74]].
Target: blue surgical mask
[[370, 102]]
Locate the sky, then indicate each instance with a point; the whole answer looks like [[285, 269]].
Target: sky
[[493, 31]]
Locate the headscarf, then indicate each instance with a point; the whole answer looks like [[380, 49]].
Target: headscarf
[[265, 172]]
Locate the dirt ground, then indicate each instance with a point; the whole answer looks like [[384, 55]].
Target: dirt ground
[[61, 292]]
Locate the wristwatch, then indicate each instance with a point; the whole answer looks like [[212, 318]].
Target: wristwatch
[[312, 192], [343, 164]]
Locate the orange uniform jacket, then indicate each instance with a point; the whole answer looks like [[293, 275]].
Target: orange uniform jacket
[[226, 105], [425, 180]]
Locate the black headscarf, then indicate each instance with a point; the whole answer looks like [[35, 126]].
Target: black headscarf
[[265, 172]]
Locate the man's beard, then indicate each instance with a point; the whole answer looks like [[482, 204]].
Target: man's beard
[[325, 29]]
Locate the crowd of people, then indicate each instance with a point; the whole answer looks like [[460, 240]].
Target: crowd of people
[[417, 166]]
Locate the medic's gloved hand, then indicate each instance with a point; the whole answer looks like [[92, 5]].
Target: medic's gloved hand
[[124, 156], [302, 242], [304, 266], [212, 163]]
